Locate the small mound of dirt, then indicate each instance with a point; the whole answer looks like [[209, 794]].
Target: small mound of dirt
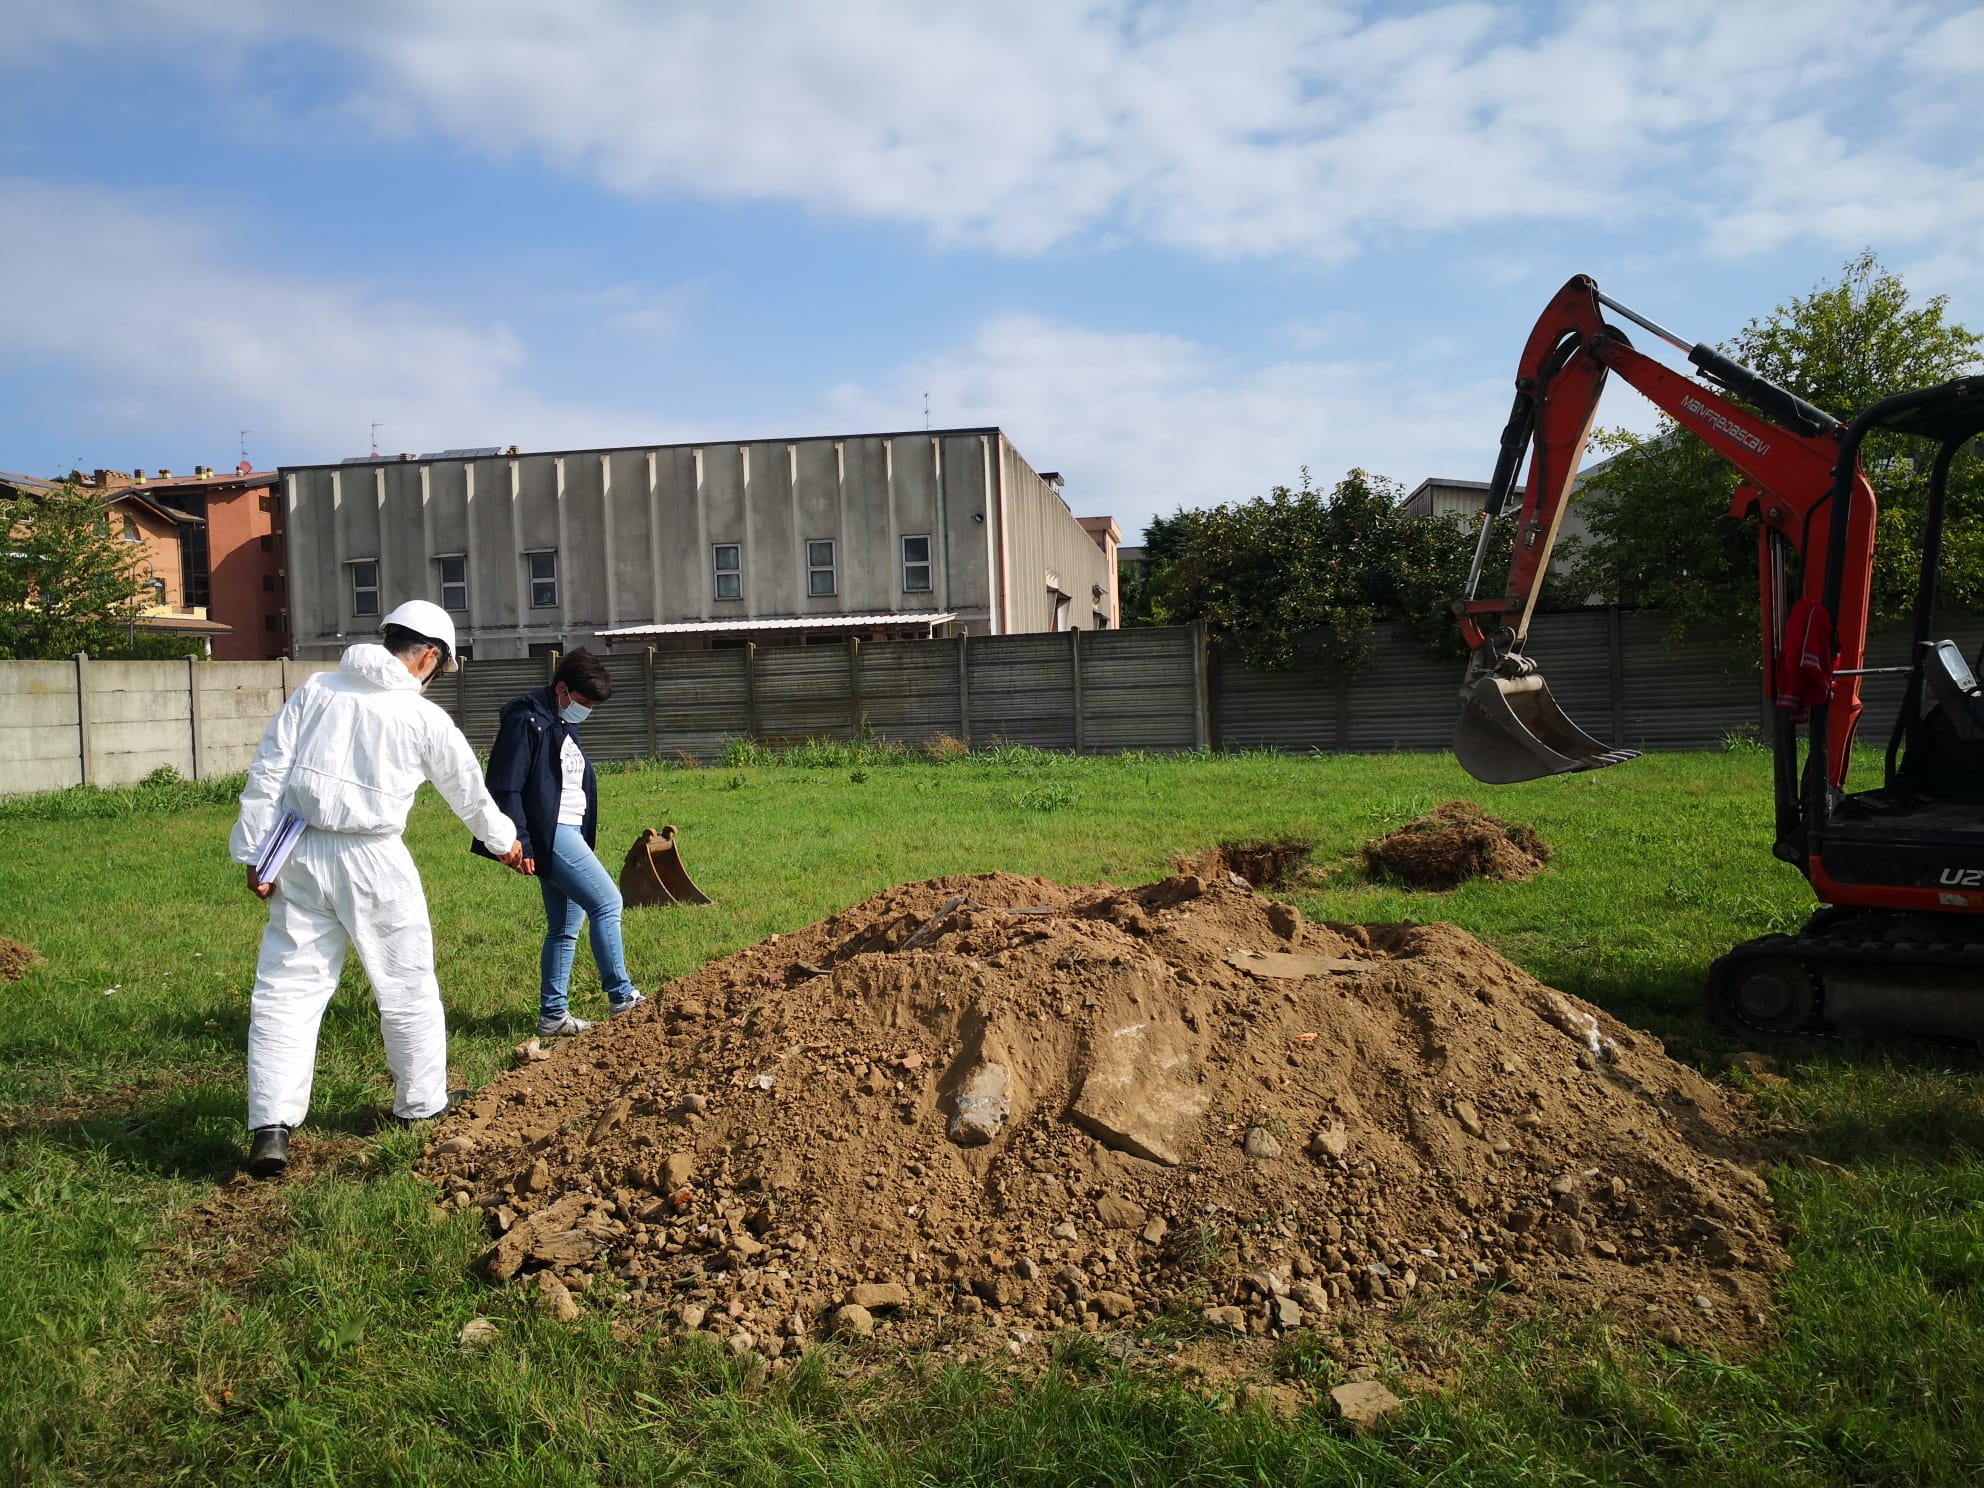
[[1253, 864], [16, 960], [996, 1100], [1453, 844]]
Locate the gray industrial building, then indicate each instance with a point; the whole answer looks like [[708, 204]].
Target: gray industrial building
[[687, 546]]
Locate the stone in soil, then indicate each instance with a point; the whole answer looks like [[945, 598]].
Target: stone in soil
[[1364, 1403], [1147, 1076]]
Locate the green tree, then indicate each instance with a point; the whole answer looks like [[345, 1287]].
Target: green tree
[[67, 584], [1657, 512], [1300, 571]]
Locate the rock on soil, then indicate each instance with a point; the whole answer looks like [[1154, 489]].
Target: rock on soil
[[767, 1149], [16, 960], [1454, 843]]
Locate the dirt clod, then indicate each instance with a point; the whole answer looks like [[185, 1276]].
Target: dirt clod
[[16, 960], [1411, 1102], [1453, 844]]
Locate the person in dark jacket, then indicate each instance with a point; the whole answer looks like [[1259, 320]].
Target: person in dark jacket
[[541, 780]]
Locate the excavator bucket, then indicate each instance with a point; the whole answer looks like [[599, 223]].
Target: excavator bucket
[[1512, 729], [653, 872]]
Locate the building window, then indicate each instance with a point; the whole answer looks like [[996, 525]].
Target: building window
[[365, 587], [1059, 606], [1101, 621], [916, 564], [268, 542], [131, 533], [157, 586], [820, 570], [544, 648], [266, 502], [268, 583], [454, 582], [728, 559], [268, 622], [543, 581]]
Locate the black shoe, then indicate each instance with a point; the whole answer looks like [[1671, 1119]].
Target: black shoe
[[455, 1098], [269, 1154]]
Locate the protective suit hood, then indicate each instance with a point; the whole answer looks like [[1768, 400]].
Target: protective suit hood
[[375, 664]]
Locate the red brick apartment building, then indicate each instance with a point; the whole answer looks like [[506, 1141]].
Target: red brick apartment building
[[233, 563]]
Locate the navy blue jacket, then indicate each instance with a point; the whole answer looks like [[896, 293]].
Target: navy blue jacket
[[524, 775]]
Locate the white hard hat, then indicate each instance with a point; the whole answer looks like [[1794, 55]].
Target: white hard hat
[[426, 618]]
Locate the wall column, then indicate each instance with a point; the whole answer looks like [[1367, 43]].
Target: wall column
[[83, 715], [1075, 683], [193, 717]]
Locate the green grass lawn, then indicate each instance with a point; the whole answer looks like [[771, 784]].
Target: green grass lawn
[[133, 1350]]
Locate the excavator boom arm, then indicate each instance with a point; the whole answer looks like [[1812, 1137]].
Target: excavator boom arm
[[1788, 471]]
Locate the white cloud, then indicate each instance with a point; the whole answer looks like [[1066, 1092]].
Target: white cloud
[[164, 334], [1143, 424], [1219, 127]]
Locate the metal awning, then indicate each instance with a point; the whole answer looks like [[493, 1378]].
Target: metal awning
[[898, 620], [181, 625]]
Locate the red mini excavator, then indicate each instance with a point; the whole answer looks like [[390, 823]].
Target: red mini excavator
[[1899, 869]]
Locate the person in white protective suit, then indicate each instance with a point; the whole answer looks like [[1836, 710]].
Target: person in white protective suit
[[347, 753]]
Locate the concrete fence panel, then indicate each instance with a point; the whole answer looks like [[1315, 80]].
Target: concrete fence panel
[[1138, 690], [804, 692], [702, 700], [912, 691], [1022, 690], [139, 719], [41, 745]]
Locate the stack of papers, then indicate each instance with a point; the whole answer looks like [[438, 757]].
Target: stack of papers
[[276, 845]]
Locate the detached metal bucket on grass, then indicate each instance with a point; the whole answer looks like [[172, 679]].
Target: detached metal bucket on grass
[[653, 872], [1511, 729]]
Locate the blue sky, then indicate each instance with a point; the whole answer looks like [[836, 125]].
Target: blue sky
[[1178, 251]]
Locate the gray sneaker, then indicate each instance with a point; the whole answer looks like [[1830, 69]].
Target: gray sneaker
[[561, 1026], [615, 1009]]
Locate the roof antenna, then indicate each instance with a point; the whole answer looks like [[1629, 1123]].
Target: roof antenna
[[376, 427], [244, 442], [926, 412]]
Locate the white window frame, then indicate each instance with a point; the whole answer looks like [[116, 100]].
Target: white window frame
[[927, 563], [828, 568], [533, 578], [734, 570], [443, 560], [132, 532], [359, 591]]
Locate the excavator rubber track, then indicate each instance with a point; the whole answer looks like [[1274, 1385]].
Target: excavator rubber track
[[1863, 974]]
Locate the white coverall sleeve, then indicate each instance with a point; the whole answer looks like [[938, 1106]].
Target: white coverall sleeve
[[452, 768], [261, 798]]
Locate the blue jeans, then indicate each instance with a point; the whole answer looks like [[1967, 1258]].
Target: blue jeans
[[576, 886]]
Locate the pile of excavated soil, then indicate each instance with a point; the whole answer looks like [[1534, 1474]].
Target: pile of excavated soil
[[1454, 843], [16, 960], [1258, 864], [1180, 1097]]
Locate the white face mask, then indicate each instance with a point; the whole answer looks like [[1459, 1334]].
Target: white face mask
[[575, 712]]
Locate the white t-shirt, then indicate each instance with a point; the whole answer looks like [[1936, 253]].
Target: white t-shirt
[[572, 793]]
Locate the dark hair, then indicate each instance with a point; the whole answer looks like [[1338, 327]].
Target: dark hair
[[401, 641], [582, 672]]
